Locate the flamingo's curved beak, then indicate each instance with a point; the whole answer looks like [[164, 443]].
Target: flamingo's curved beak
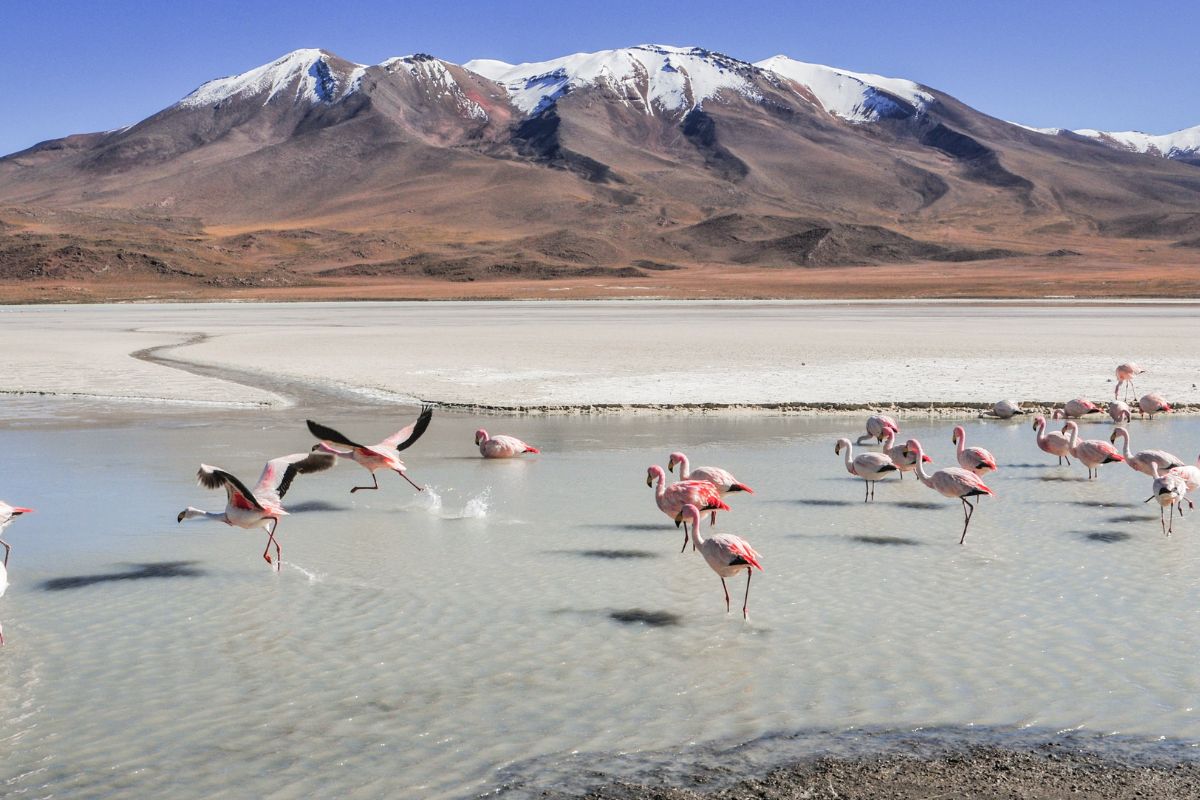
[[181, 516], [925, 458], [649, 480], [678, 519], [18, 510]]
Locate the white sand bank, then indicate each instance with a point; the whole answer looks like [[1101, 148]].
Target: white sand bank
[[579, 354]]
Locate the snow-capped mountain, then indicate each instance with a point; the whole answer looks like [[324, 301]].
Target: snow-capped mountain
[[311, 76], [654, 78], [853, 96], [1181, 145]]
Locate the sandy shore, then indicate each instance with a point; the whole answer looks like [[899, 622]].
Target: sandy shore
[[607, 356]]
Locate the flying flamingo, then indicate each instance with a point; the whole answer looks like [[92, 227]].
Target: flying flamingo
[[1145, 461], [900, 455], [871, 467], [1004, 409], [1152, 404], [384, 455], [7, 515], [671, 499], [263, 506], [1091, 452], [1119, 412], [1125, 373], [1169, 490], [721, 478], [1053, 442], [976, 459], [877, 427], [725, 553], [952, 482], [501, 446]]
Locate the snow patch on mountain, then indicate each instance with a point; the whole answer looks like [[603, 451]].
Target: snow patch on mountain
[[1046, 131], [653, 78], [438, 80], [307, 70], [853, 96], [1168, 145]]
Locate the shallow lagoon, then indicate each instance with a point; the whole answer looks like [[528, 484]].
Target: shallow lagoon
[[517, 613]]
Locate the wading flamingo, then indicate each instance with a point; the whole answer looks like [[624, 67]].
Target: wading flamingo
[[671, 499], [721, 478], [1119, 412], [1091, 452], [262, 507], [952, 482], [878, 426], [1004, 409], [7, 515], [1152, 404], [871, 467], [725, 553], [501, 446], [904, 460], [976, 459], [1125, 373], [384, 455], [1169, 490], [1054, 443], [1145, 461]]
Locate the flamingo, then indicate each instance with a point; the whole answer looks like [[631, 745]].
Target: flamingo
[[1119, 412], [1091, 452], [263, 506], [1125, 373], [952, 482], [671, 499], [1169, 490], [1076, 408], [871, 467], [7, 515], [877, 427], [1053, 442], [1152, 404], [1004, 409], [722, 479], [976, 459], [501, 446], [376, 456], [1145, 461], [725, 553], [904, 460]]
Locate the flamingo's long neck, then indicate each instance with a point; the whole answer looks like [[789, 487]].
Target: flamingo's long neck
[[660, 488], [697, 539], [850, 458], [324, 448], [195, 513], [961, 436], [685, 469], [921, 475], [1124, 434], [1072, 436]]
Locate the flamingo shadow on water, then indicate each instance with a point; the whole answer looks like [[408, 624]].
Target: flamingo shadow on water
[[139, 572], [1106, 537], [640, 616], [612, 555], [886, 541]]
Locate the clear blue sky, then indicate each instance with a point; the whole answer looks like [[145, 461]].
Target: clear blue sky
[[85, 65]]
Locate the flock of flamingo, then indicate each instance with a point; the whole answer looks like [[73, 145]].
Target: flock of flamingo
[[702, 490]]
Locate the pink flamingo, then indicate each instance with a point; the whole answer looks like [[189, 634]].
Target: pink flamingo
[[1125, 373], [1169, 490], [1053, 442], [1152, 404], [976, 459], [878, 426], [7, 515], [671, 499], [1074, 409], [721, 478], [953, 482], [1145, 461], [871, 467], [384, 455], [725, 553], [1092, 452], [1119, 412], [501, 446], [904, 460], [1004, 409], [262, 507]]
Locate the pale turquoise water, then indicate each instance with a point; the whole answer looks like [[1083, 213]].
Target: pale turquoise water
[[539, 608]]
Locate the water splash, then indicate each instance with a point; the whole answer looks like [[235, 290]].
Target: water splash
[[313, 577], [431, 502]]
